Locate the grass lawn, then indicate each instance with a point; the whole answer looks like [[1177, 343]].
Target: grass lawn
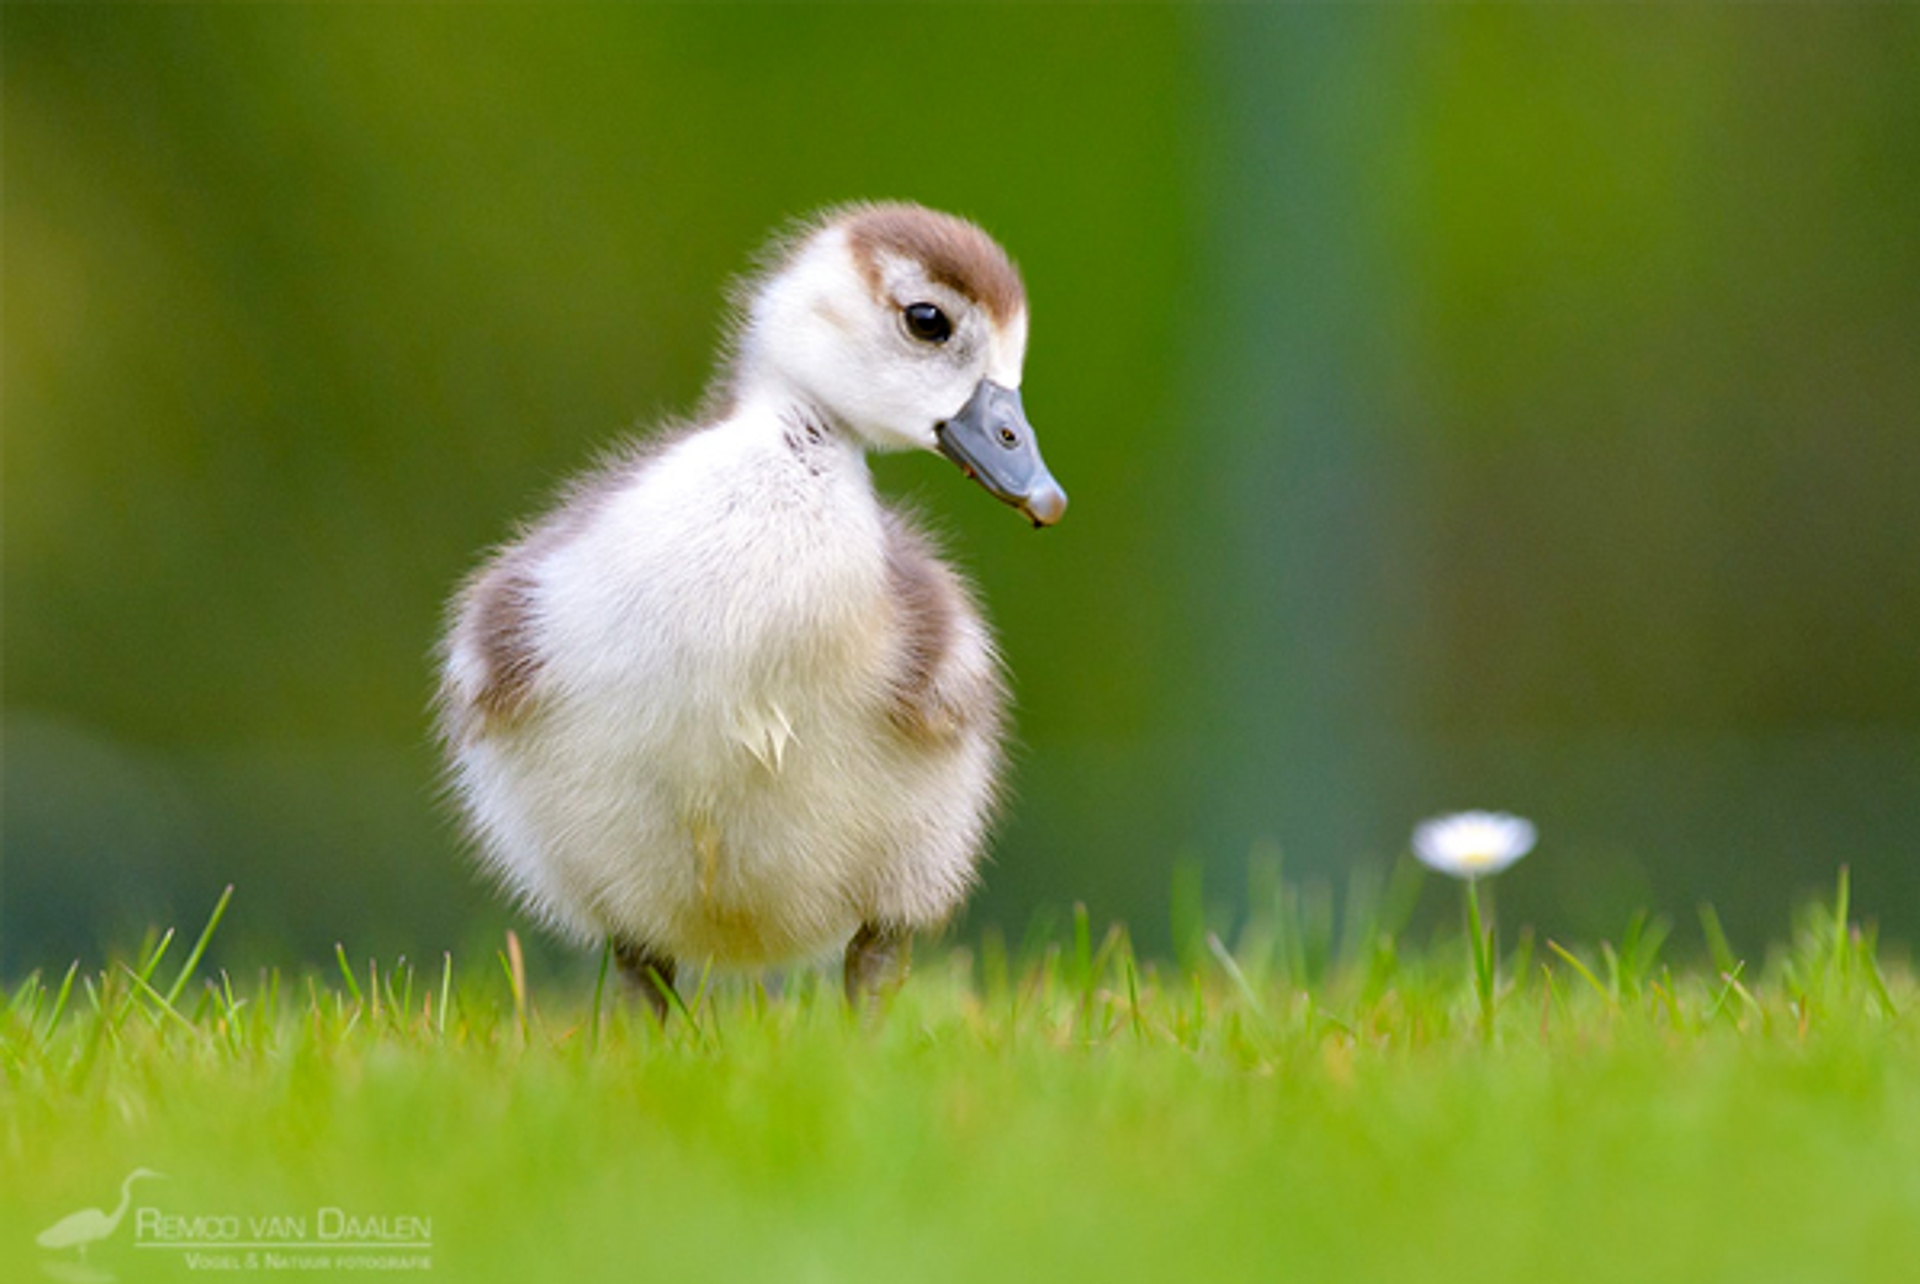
[[1273, 1109]]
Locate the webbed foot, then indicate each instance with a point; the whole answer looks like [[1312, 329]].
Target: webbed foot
[[649, 973], [878, 959]]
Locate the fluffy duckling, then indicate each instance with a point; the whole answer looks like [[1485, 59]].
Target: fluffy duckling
[[724, 704]]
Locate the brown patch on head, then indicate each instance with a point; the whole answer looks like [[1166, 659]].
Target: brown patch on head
[[953, 252]]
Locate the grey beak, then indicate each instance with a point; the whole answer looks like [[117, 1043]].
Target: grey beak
[[993, 443]]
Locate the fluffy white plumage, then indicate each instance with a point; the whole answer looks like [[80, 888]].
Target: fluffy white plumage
[[722, 703]]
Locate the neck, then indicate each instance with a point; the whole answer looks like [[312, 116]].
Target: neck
[[769, 394], [796, 416], [126, 1197]]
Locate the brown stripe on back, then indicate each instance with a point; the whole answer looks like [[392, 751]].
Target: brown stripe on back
[[928, 616], [953, 252], [503, 634], [930, 700], [497, 612]]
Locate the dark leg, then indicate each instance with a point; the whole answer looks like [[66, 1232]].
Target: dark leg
[[877, 961], [651, 974]]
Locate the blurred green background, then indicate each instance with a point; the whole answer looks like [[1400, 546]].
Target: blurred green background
[[1513, 408]]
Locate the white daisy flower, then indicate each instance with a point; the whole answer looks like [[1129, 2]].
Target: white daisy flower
[[1473, 844]]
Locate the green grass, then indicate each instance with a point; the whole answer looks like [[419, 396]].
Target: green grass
[[1298, 1104]]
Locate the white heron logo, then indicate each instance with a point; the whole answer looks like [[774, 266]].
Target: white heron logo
[[90, 1225]]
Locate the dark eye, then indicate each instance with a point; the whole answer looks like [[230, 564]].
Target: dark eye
[[927, 322]]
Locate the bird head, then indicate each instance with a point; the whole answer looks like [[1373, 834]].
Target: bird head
[[908, 328]]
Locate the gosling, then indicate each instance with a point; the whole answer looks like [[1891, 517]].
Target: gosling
[[723, 704]]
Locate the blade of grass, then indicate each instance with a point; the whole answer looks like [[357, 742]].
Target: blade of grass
[[166, 1008], [1232, 969], [145, 972], [400, 1001], [346, 970], [1480, 947], [1729, 979], [1838, 960], [514, 964], [1133, 1000], [1724, 959], [60, 999], [1866, 951], [28, 996], [199, 946], [600, 989], [1581, 968], [1082, 950]]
